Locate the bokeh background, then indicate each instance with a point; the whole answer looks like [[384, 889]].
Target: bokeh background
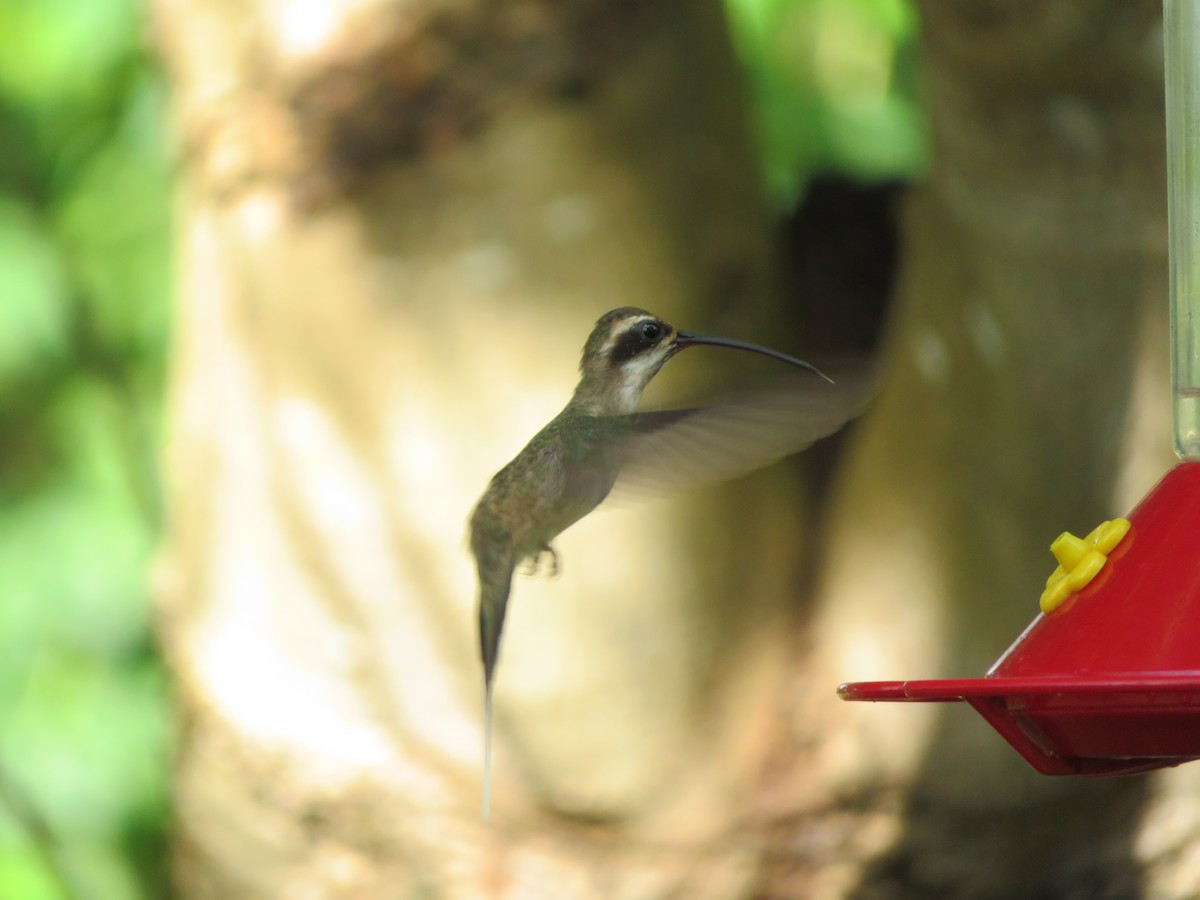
[[86, 160], [85, 249]]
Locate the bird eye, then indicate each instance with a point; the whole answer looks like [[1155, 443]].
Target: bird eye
[[651, 331]]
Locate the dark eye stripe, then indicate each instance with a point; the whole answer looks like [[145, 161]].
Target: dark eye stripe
[[628, 345]]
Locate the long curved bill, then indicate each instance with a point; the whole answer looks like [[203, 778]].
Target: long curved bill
[[688, 339]]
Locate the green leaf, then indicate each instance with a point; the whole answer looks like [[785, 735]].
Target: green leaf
[[57, 50], [33, 307], [23, 873], [831, 87], [115, 224]]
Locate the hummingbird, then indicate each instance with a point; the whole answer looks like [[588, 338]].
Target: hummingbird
[[569, 467]]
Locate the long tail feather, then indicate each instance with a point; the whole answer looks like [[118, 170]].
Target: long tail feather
[[487, 749], [496, 565]]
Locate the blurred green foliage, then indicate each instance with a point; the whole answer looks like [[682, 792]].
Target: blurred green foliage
[[84, 270], [84, 279], [833, 87]]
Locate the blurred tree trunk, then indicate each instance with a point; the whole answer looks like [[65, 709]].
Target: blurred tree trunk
[[398, 223], [1029, 333]]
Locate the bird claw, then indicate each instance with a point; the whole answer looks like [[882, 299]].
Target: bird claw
[[554, 569]]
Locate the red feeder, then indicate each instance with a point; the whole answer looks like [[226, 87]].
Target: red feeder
[[1107, 680], [1107, 683]]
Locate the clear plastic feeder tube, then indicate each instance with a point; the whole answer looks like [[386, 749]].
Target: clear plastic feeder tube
[[1182, 44]]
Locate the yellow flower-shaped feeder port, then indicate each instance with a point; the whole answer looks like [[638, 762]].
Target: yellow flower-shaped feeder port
[[1080, 560]]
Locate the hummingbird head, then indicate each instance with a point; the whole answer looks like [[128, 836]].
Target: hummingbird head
[[626, 349]]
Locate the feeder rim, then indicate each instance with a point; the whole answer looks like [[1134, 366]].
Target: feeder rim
[[950, 690]]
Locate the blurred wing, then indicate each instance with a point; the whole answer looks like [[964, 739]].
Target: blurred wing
[[675, 449]]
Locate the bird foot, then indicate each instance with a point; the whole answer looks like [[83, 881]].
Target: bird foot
[[534, 563]]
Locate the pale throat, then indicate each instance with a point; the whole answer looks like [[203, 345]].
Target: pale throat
[[635, 375]]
